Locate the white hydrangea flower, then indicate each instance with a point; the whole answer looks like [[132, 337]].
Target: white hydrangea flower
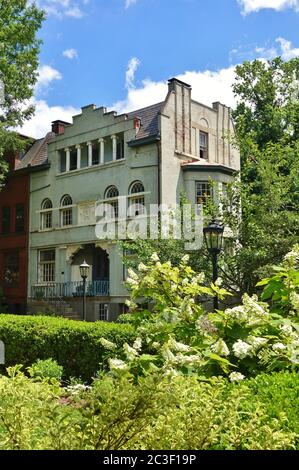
[[242, 349], [236, 376], [176, 346], [198, 279], [292, 258], [137, 344], [76, 389], [154, 257], [142, 268], [129, 303], [294, 298], [236, 313], [168, 355], [220, 348], [278, 347], [181, 359], [132, 282], [130, 352], [219, 282], [256, 342], [132, 274], [117, 364], [107, 344], [185, 259], [286, 330]]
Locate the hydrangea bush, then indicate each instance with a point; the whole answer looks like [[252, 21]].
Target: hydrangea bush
[[177, 336]]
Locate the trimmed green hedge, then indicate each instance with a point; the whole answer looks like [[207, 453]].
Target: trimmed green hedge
[[74, 345]]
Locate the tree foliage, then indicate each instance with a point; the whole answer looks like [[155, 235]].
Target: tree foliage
[[19, 50]]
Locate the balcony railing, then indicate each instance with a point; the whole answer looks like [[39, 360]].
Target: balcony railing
[[69, 289]]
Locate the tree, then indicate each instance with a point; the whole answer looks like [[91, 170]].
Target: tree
[[267, 129], [19, 50]]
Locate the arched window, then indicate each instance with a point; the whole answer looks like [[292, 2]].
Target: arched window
[[112, 194], [46, 214], [66, 212], [136, 187], [136, 201]]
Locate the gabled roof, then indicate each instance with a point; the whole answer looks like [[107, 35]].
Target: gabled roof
[[149, 117], [37, 154]]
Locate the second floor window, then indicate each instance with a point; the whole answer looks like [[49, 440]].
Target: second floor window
[[112, 194], [5, 220], [203, 192], [46, 215], [203, 145], [20, 218], [66, 211], [136, 201]]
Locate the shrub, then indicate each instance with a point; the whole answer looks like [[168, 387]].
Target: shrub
[[76, 346], [155, 413], [46, 369]]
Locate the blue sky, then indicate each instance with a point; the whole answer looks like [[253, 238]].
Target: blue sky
[[120, 53]]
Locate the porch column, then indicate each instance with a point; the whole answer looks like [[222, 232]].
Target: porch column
[[89, 145], [102, 151], [78, 147], [68, 159], [114, 147]]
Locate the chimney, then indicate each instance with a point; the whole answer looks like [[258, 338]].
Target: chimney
[[182, 114], [58, 127]]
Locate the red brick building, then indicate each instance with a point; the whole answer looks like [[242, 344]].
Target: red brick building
[[14, 225]]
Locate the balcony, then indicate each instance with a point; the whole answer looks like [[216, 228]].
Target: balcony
[[69, 289]]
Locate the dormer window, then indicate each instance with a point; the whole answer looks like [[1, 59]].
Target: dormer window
[[203, 145]]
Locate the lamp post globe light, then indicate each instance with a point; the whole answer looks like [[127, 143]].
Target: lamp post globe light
[[84, 271], [213, 235]]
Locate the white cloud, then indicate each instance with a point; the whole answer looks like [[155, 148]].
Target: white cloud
[[63, 8], [207, 87], [70, 54], [40, 124], [249, 6], [281, 47], [133, 64], [129, 3], [46, 74], [287, 51]]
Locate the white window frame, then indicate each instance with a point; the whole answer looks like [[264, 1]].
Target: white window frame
[[103, 311], [204, 149], [46, 269]]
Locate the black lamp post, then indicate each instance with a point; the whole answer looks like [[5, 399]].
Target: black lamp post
[[84, 270], [213, 234]]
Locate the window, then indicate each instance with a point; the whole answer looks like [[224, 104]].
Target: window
[[112, 193], [73, 160], [120, 150], [11, 270], [46, 215], [103, 312], [67, 211], [47, 266], [95, 155], [5, 220], [20, 218], [203, 144], [204, 191], [136, 204]]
